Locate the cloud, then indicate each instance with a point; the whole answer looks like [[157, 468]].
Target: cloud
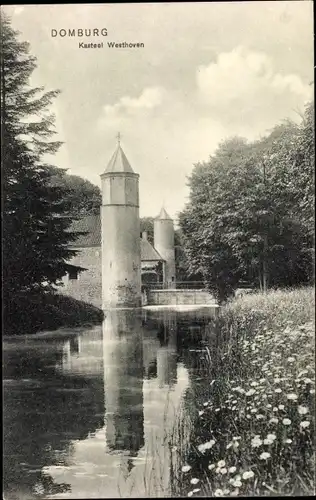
[[243, 86], [150, 98]]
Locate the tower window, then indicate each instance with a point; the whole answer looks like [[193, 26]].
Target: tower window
[[73, 274]]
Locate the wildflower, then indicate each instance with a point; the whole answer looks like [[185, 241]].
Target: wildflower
[[194, 480], [232, 470], [292, 396], [223, 471], [278, 390], [217, 409], [206, 403], [196, 490], [186, 468], [286, 421], [281, 407], [305, 424], [259, 416], [235, 445], [269, 406], [250, 392], [248, 474], [277, 380], [218, 493], [235, 438], [273, 420], [271, 436], [256, 442], [312, 391], [253, 410], [211, 467], [302, 410], [264, 456], [291, 360], [288, 441], [229, 446], [254, 384], [201, 413], [221, 463], [234, 402], [190, 493], [308, 381]]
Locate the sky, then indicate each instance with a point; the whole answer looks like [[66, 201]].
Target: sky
[[207, 71]]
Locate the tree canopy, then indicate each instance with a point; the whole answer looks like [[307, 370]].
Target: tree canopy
[[250, 213], [36, 215]]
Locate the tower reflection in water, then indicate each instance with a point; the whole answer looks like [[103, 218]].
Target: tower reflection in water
[[123, 381]]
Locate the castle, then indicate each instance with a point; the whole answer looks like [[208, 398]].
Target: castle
[[113, 259]]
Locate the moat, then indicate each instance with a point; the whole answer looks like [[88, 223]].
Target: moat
[[94, 415]]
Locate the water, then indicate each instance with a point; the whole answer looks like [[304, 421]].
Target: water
[[93, 414]]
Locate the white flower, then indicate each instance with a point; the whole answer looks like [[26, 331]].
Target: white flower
[[253, 410], [250, 392], [256, 442], [259, 416], [218, 493], [201, 412], [292, 396], [278, 390], [237, 483], [291, 360], [312, 391], [254, 384], [221, 463], [196, 490], [269, 406], [248, 474], [264, 456], [223, 470], [235, 445], [286, 421], [281, 407], [288, 441], [271, 436], [206, 403], [186, 468], [302, 410], [275, 408], [194, 480], [211, 467], [232, 470], [235, 438], [190, 493], [206, 446], [273, 420], [229, 446], [305, 424]]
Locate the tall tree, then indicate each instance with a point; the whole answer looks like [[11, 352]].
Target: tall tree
[[35, 214], [250, 212]]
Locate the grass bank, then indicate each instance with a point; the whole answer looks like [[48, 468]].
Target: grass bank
[[29, 314], [253, 432]]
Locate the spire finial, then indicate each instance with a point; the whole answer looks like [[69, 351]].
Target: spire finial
[[118, 138]]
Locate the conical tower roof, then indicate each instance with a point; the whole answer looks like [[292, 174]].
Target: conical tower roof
[[119, 162], [163, 215]]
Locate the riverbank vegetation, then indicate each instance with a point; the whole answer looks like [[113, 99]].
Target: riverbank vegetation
[[253, 431]]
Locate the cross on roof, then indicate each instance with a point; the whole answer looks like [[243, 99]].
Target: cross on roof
[[118, 138]]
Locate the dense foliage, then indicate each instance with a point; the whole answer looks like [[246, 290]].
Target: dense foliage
[[36, 215], [250, 214]]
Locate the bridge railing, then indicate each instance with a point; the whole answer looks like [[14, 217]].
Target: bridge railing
[[179, 285]]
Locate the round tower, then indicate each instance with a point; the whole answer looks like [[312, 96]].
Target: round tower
[[120, 227], [164, 244]]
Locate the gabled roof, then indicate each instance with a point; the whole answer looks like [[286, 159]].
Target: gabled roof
[[163, 215], [148, 252], [119, 162], [91, 224]]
